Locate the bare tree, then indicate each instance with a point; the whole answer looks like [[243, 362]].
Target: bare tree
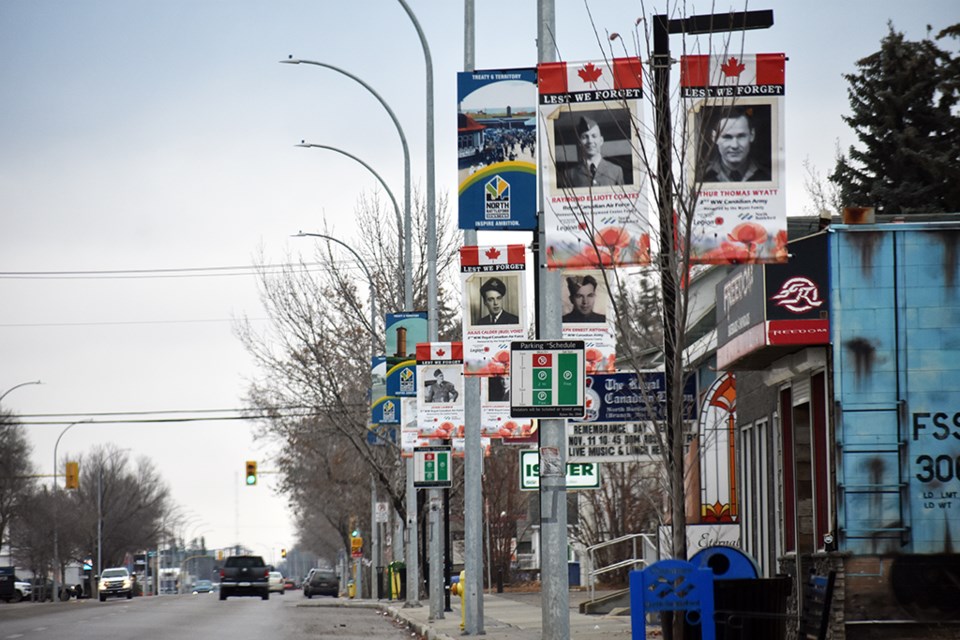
[[652, 304], [314, 360], [15, 472], [130, 499]]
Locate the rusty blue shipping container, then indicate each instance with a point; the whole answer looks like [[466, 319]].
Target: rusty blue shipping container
[[896, 347]]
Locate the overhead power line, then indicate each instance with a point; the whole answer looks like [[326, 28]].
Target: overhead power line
[[174, 416], [186, 272]]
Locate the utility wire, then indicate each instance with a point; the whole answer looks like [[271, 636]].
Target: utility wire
[[186, 272]]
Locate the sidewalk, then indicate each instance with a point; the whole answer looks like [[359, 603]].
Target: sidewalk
[[505, 617]]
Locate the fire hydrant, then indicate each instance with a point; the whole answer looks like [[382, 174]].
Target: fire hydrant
[[457, 589]]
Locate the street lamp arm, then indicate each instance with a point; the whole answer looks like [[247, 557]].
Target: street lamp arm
[[363, 265], [396, 207], [366, 271], [17, 386], [431, 182], [407, 225]]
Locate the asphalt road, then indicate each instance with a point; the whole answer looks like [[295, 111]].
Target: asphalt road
[[193, 616]]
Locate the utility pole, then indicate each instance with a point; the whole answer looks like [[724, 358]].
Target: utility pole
[[551, 432], [663, 26], [473, 452]]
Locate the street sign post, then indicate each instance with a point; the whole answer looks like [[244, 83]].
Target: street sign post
[[432, 467], [546, 379]]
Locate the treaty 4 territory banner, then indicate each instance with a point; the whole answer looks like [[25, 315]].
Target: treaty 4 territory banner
[[497, 149], [735, 120]]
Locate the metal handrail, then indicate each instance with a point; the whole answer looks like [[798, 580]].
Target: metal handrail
[[633, 560]]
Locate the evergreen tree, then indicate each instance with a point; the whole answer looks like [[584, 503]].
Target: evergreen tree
[[903, 101]]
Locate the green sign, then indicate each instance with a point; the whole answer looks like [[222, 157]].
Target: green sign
[[431, 467], [580, 475], [547, 379]]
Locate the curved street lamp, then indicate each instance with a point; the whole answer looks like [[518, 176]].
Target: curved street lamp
[[55, 596], [366, 271], [406, 240], [17, 386], [396, 207]]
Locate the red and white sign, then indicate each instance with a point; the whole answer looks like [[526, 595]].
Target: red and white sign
[[736, 157], [593, 174], [439, 389]]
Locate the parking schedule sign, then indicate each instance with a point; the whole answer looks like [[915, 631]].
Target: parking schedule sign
[[546, 379], [431, 467]]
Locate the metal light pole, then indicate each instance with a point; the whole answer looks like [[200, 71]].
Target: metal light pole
[[406, 241], [473, 448], [436, 551], [56, 492], [17, 386], [2, 396], [373, 354], [551, 433], [366, 271], [663, 26], [413, 573]]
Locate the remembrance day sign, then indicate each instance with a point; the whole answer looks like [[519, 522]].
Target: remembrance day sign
[[736, 122]]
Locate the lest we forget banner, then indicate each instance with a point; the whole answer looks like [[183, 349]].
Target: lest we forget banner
[[440, 389], [588, 315], [592, 172], [735, 114], [493, 281], [497, 149]]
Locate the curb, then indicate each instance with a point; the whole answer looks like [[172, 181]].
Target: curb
[[423, 629]]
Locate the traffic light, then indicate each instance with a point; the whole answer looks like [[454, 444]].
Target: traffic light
[[73, 475], [283, 553], [251, 472]]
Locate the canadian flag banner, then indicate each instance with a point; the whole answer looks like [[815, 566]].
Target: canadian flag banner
[[736, 157], [439, 389], [512, 254], [439, 352], [617, 75], [762, 69]]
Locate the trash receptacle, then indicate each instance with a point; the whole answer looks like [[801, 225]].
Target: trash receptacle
[[573, 574], [743, 609], [740, 599]]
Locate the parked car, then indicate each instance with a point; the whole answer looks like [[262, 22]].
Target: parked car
[[21, 590], [321, 582], [115, 582], [276, 582], [42, 589], [203, 586]]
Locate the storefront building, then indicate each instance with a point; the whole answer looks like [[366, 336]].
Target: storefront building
[[847, 362]]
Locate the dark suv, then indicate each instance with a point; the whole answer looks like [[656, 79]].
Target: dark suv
[[321, 582]]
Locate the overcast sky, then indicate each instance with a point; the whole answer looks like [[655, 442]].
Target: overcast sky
[[140, 136]]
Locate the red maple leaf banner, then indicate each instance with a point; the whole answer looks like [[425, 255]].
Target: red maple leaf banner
[[439, 352], [473, 256], [590, 73], [732, 67]]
